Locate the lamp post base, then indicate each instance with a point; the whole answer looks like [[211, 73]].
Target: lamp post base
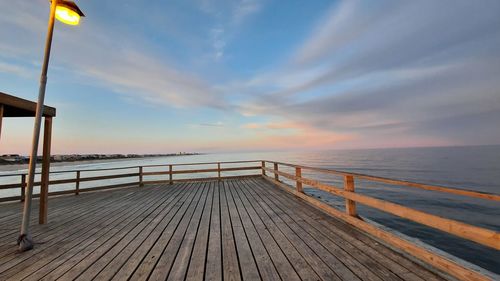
[[25, 242]]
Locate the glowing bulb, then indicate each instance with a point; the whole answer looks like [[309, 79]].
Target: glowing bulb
[[67, 15]]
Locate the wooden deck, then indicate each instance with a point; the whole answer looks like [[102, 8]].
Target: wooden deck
[[242, 229]]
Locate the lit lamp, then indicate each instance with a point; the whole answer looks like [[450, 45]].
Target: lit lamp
[[67, 12]]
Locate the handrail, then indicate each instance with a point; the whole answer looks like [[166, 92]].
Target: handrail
[[141, 173], [483, 236], [473, 233], [135, 167], [456, 191], [479, 235]]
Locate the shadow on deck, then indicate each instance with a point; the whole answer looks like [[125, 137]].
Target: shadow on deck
[[240, 229]]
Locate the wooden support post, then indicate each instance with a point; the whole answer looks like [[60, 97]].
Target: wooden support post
[[350, 206], [1, 117], [44, 187], [298, 174], [141, 183], [77, 186], [276, 176], [170, 175], [218, 171], [23, 187], [263, 164]]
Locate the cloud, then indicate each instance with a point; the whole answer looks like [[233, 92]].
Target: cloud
[[15, 69], [244, 9], [217, 124], [112, 56], [414, 71], [218, 42]]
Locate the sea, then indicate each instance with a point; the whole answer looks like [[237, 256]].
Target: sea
[[466, 167]]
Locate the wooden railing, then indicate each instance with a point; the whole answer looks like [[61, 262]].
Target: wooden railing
[[138, 178], [469, 232], [466, 231]]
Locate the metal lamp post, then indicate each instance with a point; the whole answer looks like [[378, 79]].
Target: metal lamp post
[[69, 13]]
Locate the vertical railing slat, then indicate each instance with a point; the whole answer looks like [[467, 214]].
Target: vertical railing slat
[[276, 176], [77, 183], [218, 171], [170, 175], [23, 187], [350, 206], [141, 183], [298, 174]]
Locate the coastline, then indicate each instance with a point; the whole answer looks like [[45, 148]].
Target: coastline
[[8, 167]]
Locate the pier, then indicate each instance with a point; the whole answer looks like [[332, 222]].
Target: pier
[[224, 227]]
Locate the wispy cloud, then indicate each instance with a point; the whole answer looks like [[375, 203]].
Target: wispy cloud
[[216, 124], [112, 60], [394, 68], [244, 9], [218, 42]]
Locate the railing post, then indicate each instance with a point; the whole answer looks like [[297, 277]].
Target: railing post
[[170, 177], [77, 183], [276, 176], [263, 164], [218, 171], [140, 177], [23, 186], [298, 174], [350, 206]]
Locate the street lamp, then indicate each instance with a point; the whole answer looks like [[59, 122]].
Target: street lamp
[[67, 12]]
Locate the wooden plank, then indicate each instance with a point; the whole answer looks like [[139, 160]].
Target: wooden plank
[[248, 265], [152, 259], [42, 253], [301, 266], [234, 245], [340, 266], [427, 256], [80, 258], [44, 187], [321, 268], [182, 240], [364, 267], [137, 234], [196, 270], [126, 269], [339, 231], [193, 249], [202, 179], [77, 212], [61, 203], [272, 262], [214, 250]]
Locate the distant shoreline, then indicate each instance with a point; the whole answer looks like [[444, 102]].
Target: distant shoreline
[[10, 160]]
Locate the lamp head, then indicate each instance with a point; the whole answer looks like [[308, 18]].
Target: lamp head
[[68, 12]]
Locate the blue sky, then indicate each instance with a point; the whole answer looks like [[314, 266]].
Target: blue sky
[[216, 75]]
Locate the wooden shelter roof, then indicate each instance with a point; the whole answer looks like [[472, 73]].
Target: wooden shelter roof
[[18, 107]]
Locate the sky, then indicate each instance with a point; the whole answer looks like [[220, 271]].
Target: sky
[[257, 75]]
